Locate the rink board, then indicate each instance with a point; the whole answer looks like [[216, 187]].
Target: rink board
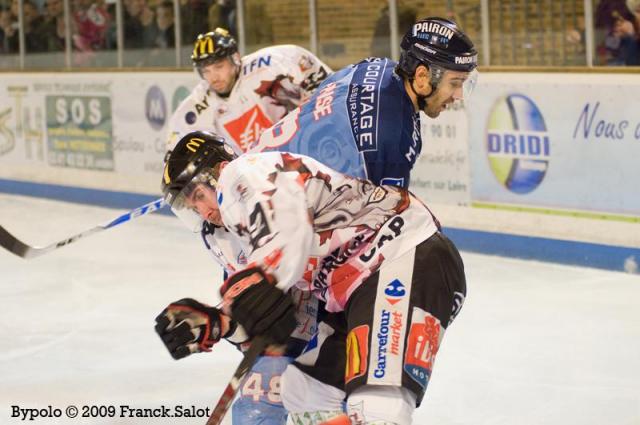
[[526, 247], [530, 146]]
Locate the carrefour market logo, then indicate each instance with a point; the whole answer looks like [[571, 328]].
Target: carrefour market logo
[[518, 145]]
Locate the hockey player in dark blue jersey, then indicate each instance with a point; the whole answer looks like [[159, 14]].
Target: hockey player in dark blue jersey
[[375, 104], [364, 121]]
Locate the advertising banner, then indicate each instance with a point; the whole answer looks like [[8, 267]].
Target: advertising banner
[[441, 172], [95, 130], [529, 140], [565, 141]]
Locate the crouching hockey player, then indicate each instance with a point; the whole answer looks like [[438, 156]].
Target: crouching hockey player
[[239, 98], [374, 253]]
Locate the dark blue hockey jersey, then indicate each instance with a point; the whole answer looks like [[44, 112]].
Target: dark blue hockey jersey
[[360, 121]]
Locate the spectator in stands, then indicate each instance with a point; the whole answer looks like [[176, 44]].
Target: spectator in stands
[[8, 32], [194, 15], [163, 38], [165, 29], [34, 41], [90, 23], [222, 14], [617, 34], [139, 26], [33, 22], [53, 29]]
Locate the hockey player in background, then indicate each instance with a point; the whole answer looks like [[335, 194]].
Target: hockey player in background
[[375, 253], [238, 98]]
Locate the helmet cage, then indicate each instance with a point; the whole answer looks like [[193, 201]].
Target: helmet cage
[[195, 152], [183, 203]]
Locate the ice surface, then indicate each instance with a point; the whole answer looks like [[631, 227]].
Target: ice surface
[[534, 344]]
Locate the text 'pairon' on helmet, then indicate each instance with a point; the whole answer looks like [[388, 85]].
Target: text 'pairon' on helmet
[[437, 41]]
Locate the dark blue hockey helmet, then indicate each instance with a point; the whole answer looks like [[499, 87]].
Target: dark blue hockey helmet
[[437, 41]]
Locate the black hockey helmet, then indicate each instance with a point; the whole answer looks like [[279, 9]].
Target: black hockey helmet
[[192, 161], [212, 46], [437, 41], [441, 46]]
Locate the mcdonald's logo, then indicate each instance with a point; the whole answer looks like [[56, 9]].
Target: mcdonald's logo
[[194, 143], [357, 352], [204, 46]]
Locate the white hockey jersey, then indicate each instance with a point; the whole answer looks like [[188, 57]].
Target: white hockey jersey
[[272, 82], [314, 228]]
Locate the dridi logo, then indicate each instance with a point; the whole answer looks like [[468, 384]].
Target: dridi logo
[[155, 108], [518, 146]]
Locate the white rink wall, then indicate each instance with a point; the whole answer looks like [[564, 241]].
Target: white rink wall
[[98, 130], [548, 156]]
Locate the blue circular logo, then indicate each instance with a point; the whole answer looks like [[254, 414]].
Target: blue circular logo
[[518, 146], [155, 108], [190, 117]]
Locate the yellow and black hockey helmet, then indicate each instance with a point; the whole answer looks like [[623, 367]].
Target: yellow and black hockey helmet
[[191, 161], [214, 45]]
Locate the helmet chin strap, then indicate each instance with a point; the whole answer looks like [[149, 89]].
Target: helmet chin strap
[[421, 99]]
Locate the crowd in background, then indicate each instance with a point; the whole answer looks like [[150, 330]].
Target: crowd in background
[[617, 24], [149, 25]]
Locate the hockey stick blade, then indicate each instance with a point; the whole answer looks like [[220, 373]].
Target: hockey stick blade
[[23, 250], [258, 344]]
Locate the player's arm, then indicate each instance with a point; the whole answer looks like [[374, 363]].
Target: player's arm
[[310, 71], [396, 175], [266, 208], [188, 326]]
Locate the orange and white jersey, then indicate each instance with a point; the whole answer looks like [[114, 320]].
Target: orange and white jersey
[[314, 228], [271, 82]]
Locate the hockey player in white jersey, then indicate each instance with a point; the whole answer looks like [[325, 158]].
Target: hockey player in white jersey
[[238, 98], [373, 252]]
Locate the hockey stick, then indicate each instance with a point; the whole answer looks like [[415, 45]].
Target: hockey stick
[[258, 344], [21, 249]]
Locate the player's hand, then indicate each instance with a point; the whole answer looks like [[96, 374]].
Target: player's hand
[[187, 326], [258, 305]]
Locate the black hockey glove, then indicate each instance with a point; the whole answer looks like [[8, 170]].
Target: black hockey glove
[[187, 326], [259, 306]]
